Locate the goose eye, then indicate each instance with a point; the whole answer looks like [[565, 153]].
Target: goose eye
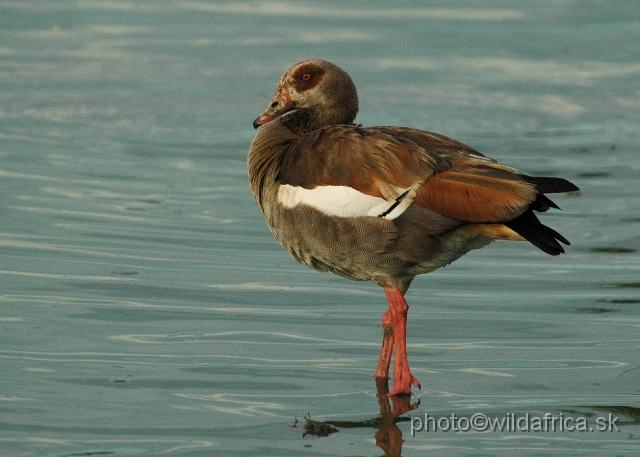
[[306, 77]]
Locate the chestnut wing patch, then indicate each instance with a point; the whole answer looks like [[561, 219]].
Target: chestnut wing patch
[[476, 195]]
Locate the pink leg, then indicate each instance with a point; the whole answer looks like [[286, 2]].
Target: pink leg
[[382, 372], [402, 377]]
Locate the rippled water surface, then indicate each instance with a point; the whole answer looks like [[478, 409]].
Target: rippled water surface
[[145, 309]]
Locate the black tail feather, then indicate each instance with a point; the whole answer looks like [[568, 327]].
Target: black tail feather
[[546, 185], [544, 238], [543, 203]]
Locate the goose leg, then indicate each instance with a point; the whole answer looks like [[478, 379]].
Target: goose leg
[[402, 377], [382, 372]]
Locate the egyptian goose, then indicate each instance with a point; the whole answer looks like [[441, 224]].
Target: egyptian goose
[[382, 203]]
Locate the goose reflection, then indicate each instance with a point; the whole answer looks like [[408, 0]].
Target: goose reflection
[[388, 435]]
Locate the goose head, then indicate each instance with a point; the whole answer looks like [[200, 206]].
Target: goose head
[[310, 95]]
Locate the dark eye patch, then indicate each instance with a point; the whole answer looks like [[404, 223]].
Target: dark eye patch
[[307, 77]]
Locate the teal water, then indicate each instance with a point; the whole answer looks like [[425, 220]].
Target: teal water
[[145, 309]]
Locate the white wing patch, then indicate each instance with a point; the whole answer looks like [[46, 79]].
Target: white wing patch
[[345, 201]]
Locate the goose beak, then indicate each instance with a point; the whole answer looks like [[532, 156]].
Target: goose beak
[[276, 108]]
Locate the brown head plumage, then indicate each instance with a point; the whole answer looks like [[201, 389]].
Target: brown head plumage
[[312, 94]]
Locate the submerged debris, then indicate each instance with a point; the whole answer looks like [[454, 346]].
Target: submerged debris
[[317, 428]]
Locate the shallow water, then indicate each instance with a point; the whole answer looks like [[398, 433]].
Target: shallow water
[[145, 308]]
